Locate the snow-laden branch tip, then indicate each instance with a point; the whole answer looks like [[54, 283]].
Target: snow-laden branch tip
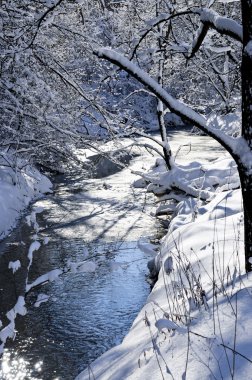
[[209, 19], [223, 25], [173, 104]]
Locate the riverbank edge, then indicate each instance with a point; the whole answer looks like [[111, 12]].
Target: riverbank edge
[[19, 187], [146, 349]]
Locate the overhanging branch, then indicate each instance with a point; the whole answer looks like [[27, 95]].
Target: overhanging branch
[[173, 104], [222, 25], [208, 18]]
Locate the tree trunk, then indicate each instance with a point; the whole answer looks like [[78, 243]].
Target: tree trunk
[[246, 71], [246, 74], [160, 106], [246, 186]]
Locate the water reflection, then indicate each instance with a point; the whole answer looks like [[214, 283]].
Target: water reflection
[[86, 314], [15, 367]]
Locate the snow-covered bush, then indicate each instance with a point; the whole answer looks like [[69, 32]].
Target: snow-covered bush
[[202, 182]]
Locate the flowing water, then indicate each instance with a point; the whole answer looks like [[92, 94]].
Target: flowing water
[[86, 313]]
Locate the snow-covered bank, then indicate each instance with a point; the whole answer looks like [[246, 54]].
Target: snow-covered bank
[[196, 323], [20, 183]]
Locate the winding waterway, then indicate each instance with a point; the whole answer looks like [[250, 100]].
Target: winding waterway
[[86, 313]]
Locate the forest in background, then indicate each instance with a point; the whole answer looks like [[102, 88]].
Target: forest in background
[[76, 74]]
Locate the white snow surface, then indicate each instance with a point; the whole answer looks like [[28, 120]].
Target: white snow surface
[[230, 123], [19, 185], [41, 298], [196, 323], [47, 277], [14, 265], [9, 331], [35, 245]]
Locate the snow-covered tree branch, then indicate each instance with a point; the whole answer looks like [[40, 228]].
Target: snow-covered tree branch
[[240, 147], [174, 105]]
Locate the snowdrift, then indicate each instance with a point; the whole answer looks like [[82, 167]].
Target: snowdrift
[[196, 323]]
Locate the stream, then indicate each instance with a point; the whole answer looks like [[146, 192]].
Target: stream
[[99, 219]]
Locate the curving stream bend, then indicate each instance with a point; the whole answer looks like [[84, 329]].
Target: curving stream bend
[[86, 313]]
